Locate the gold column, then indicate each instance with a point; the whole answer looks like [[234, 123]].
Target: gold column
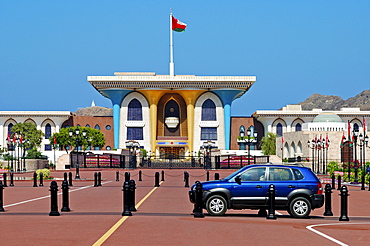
[[153, 97], [190, 96]]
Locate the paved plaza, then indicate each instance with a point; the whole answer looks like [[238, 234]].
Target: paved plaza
[[164, 216]]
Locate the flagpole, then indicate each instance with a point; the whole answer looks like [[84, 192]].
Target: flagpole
[[172, 65]]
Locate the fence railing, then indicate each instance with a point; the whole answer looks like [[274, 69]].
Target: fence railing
[[83, 160]]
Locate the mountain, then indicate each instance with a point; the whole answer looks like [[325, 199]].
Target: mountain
[[334, 103], [94, 111]]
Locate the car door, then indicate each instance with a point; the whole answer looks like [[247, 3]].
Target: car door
[[250, 190], [284, 182]]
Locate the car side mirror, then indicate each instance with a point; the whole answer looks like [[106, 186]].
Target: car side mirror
[[238, 179]]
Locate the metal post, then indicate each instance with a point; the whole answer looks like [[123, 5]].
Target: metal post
[[198, 206], [65, 195], [339, 182], [34, 179], [140, 175], [54, 199], [70, 179], [132, 195], [328, 192], [11, 179], [41, 179], [1, 196], [271, 203], [156, 179], [4, 177], [344, 204], [99, 179], [126, 199]]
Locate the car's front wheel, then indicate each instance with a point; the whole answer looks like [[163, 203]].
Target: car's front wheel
[[216, 205], [299, 207]]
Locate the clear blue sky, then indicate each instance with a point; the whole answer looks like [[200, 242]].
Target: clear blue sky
[[295, 48]]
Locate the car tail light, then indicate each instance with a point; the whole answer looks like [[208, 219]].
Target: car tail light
[[319, 188]]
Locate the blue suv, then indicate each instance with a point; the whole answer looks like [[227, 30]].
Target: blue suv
[[298, 190]]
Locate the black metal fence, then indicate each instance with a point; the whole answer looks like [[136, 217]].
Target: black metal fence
[[83, 160]]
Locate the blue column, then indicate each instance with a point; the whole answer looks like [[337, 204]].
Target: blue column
[[227, 97], [116, 96]]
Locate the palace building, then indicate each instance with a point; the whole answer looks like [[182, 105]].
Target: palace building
[[171, 114]]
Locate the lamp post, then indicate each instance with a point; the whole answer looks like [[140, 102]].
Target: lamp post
[[207, 146], [355, 136], [250, 140], [76, 135], [132, 146], [18, 139], [311, 145], [317, 148], [325, 146]]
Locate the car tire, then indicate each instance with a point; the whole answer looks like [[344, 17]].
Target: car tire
[[216, 205], [299, 207]]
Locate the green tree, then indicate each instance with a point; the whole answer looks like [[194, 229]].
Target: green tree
[[31, 137], [268, 145], [93, 138]]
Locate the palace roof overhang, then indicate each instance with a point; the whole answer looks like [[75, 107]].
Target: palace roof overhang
[[151, 81]]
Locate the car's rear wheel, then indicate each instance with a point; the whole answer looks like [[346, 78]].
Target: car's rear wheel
[[299, 207], [216, 205]]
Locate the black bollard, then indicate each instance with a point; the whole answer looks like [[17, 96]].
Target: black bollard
[[132, 195], [339, 182], [1, 196], [207, 175], [344, 204], [186, 179], [41, 179], [4, 177], [156, 184], [333, 181], [328, 192], [363, 181], [126, 199], [54, 199], [65, 197], [217, 176], [11, 179], [65, 176], [271, 203], [369, 183], [117, 176], [127, 176], [140, 174], [95, 179], [99, 178], [198, 206], [162, 176], [70, 179], [34, 179]]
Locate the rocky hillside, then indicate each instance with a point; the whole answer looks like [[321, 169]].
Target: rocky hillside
[[324, 102], [94, 111]]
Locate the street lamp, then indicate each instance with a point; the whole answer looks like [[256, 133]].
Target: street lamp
[[311, 145], [207, 146], [132, 146], [325, 145], [355, 135], [250, 140], [78, 140]]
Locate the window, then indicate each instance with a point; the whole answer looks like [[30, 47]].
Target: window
[[254, 174], [356, 127], [134, 110], [298, 127], [97, 127], [279, 129], [48, 147], [208, 110], [108, 148], [297, 174], [96, 148], [47, 131], [135, 133], [280, 174], [108, 127], [10, 129], [208, 133], [87, 125]]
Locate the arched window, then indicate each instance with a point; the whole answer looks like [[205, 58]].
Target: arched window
[[10, 129], [279, 129], [356, 127], [298, 127], [134, 110], [97, 127], [208, 110], [47, 131]]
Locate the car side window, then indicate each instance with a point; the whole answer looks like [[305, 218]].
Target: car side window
[[298, 175], [280, 174], [254, 174]]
